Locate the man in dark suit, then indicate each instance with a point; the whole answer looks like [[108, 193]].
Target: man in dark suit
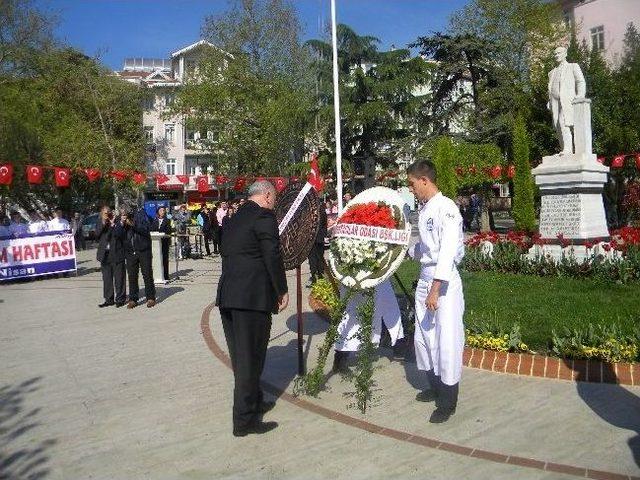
[[137, 248], [316, 255], [253, 285], [162, 224], [109, 235]]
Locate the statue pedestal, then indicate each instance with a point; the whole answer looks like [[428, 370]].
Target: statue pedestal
[[571, 189], [156, 253]]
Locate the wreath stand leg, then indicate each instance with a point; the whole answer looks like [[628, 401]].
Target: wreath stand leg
[[301, 366]]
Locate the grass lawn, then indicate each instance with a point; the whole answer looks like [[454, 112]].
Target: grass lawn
[[540, 304]]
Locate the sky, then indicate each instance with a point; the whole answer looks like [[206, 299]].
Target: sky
[[113, 30]]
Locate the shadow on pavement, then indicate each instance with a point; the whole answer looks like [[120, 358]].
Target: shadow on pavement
[[281, 366], [82, 271], [612, 403], [20, 459], [166, 292]]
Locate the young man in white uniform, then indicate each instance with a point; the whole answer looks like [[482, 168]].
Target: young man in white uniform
[[439, 332]]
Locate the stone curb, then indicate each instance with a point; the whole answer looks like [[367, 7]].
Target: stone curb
[[531, 365]]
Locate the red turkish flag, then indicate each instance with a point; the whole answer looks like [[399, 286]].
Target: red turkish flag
[[34, 174], [161, 178], [184, 179], [6, 174], [203, 183], [511, 171], [240, 184], [314, 177], [93, 174], [62, 176], [618, 161], [139, 178], [638, 161], [279, 183], [221, 179], [119, 175]]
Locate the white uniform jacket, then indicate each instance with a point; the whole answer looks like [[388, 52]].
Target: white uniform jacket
[[439, 335]]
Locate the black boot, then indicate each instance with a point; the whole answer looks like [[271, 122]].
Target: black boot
[[340, 362]]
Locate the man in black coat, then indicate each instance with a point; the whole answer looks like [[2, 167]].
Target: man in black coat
[[316, 255], [138, 254], [110, 235], [253, 285], [162, 224]]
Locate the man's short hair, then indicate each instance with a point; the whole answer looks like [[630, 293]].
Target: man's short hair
[[261, 187], [422, 168]]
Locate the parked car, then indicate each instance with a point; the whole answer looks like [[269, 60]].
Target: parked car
[[89, 225]]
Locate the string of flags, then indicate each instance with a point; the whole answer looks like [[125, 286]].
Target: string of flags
[[619, 160]]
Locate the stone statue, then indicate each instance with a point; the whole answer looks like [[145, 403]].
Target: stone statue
[[566, 84]]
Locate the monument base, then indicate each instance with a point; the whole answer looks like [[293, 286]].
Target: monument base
[[571, 205]]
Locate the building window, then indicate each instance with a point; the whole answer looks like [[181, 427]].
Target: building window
[[169, 132], [597, 38], [148, 133], [191, 136], [168, 99], [193, 169], [171, 166], [148, 103]]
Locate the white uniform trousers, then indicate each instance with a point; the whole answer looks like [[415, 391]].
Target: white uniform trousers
[[439, 335], [386, 310]]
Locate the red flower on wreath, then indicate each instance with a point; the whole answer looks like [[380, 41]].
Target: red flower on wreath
[[372, 214]]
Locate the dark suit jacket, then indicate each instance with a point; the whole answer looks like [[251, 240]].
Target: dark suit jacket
[[112, 236], [253, 276], [138, 238], [165, 228], [322, 228]]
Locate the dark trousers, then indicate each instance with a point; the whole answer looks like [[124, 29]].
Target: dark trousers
[[316, 261], [447, 395], [80, 243], [247, 333], [165, 257], [207, 239], [215, 239], [140, 262], [113, 274]]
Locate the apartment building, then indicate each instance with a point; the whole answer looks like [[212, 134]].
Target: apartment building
[[172, 149], [601, 24]]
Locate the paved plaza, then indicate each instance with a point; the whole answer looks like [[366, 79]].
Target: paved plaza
[[88, 393]]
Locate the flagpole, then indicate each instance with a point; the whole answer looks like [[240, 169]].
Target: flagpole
[[336, 105]]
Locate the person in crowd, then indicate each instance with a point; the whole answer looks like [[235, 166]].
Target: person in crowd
[[162, 224], [137, 228], [4, 228], [327, 207], [475, 211], [334, 207], [229, 213], [110, 238], [181, 221], [215, 231], [17, 228], [221, 212], [253, 285], [346, 198], [204, 221], [58, 223], [316, 255], [439, 331], [76, 229], [38, 223]]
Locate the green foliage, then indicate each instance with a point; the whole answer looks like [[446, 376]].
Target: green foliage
[[363, 380], [491, 336], [602, 342], [522, 210], [444, 159]]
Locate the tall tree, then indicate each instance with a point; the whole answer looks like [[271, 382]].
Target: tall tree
[[523, 198]]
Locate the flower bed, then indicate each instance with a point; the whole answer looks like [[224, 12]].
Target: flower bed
[[616, 260]]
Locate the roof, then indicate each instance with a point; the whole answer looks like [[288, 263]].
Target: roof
[[191, 47]]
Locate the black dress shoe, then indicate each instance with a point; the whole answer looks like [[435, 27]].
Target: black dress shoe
[[428, 395], [258, 428], [266, 407], [441, 415], [106, 304], [120, 304]]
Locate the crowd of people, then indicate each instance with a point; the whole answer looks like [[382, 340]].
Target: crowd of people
[[14, 225]]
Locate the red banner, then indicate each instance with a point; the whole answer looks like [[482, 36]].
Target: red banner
[[62, 177], [184, 179], [6, 174], [34, 174]]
